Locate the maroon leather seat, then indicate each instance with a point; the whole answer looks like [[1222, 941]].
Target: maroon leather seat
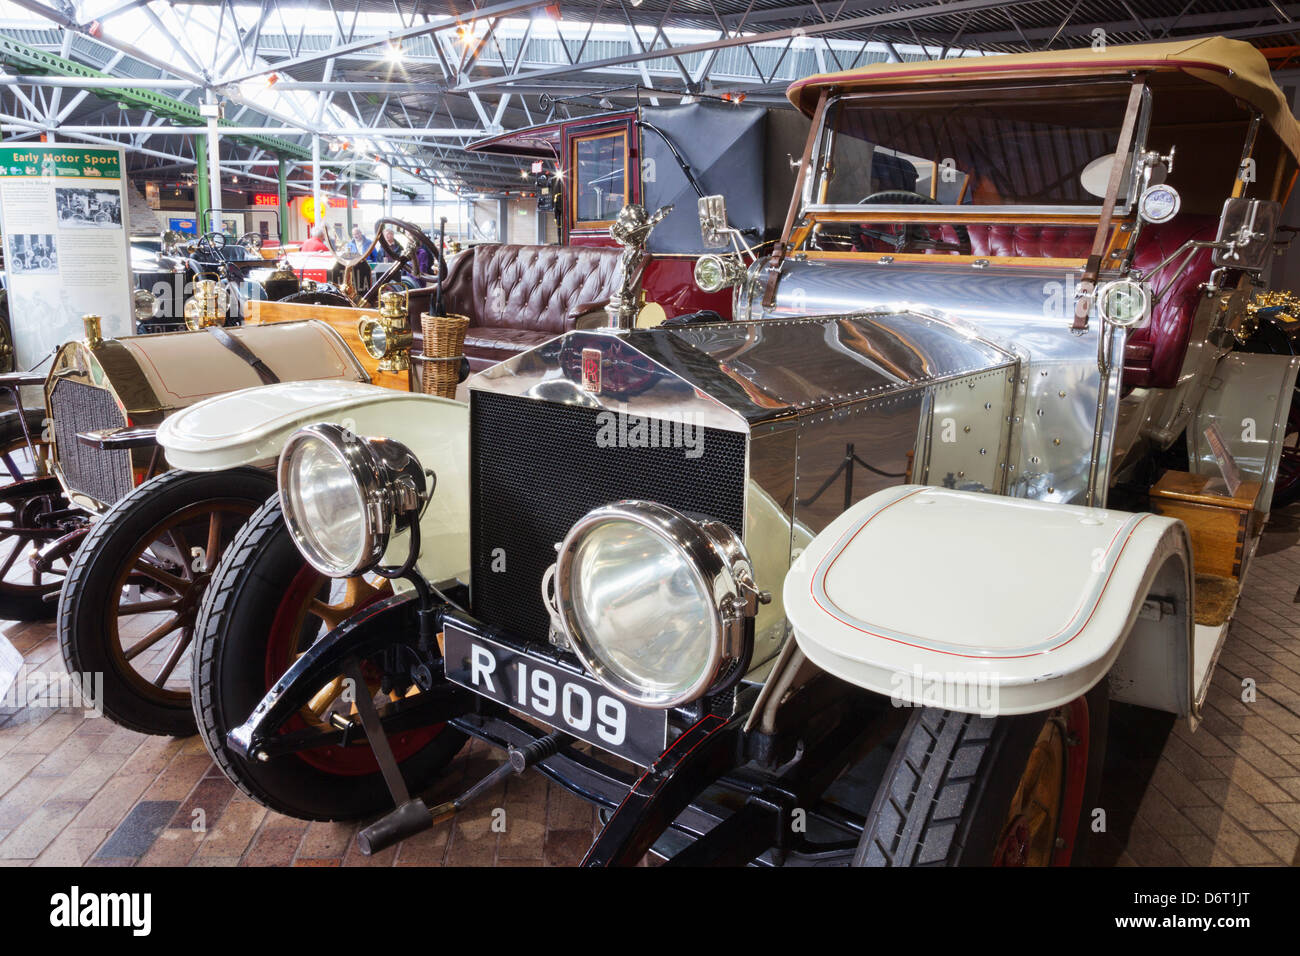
[[517, 297], [1153, 355]]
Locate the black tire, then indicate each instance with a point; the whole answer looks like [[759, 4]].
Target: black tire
[[253, 581], [949, 785], [87, 610]]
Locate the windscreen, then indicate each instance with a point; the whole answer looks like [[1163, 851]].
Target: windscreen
[[1040, 146]]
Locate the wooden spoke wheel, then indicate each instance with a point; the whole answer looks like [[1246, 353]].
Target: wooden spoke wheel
[[1029, 834], [135, 587], [35, 525], [23, 454], [160, 589]]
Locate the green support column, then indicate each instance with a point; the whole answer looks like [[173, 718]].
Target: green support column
[[284, 200], [201, 191]]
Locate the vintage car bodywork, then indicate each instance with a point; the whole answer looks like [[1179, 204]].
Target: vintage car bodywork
[[112, 406], [137, 382], [933, 405], [586, 167], [249, 428]]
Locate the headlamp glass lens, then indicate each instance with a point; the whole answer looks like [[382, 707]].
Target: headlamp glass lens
[[641, 608], [327, 505]]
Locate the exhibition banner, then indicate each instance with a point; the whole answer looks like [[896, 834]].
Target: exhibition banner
[[66, 252]]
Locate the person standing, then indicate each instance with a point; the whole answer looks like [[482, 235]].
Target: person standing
[[316, 241], [357, 244]]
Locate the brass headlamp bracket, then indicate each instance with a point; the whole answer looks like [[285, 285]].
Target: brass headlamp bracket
[[387, 336]]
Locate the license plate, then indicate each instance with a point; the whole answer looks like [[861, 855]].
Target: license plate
[[559, 698]]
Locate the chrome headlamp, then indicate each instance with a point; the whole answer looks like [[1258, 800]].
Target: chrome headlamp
[[145, 305], [714, 273], [654, 603], [345, 496]]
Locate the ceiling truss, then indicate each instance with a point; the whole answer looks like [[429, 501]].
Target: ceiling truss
[[380, 85]]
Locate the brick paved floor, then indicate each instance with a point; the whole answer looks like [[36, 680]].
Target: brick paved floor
[[81, 791]]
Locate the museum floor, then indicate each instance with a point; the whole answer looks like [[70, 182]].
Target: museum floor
[[81, 791]]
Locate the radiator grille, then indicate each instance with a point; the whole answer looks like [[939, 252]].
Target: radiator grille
[[537, 468], [103, 475]]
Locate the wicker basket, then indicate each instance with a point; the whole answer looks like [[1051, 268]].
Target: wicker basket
[[444, 346]]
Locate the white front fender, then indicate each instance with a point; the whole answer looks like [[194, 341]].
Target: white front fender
[[250, 427], [986, 604]]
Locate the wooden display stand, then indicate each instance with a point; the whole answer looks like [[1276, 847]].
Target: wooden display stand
[[1219, 523]]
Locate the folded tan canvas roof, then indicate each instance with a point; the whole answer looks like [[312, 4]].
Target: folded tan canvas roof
[[1232, 65]]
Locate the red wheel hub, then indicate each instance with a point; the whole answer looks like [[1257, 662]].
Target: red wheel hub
[[281, 648]]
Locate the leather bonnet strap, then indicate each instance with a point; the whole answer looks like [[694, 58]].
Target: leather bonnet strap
[[240, 349]]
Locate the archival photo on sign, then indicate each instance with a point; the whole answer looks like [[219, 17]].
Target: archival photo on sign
[[32, 252], [89, 208]]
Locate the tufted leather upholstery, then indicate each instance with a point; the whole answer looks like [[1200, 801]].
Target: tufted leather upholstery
[[517, 297], [1154, 354], [1069, 242]]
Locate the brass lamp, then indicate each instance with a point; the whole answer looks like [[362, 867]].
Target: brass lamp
[[94, 332], [387, 337], [207, 307]]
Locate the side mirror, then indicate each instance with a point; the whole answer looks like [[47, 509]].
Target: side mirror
[[1246, 230], [713, 222]]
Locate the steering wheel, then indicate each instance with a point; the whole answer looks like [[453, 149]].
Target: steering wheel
[[210, 243], [913, 234], [402, 258]]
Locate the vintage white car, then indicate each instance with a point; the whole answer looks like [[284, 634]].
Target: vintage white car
[[851, 578]]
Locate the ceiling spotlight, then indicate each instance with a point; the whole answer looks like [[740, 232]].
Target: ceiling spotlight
[[523, 174], [394, 53], [272, 79], [465, 33]]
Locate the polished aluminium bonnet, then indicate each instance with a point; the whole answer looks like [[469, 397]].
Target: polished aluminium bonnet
[[834, 408]]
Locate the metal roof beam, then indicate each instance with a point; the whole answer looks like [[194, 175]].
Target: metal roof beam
[[498, 10], [817, 29], [30, 59], [68, 23], [1160, 26]]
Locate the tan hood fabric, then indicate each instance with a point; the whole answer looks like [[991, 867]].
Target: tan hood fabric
[[1233, 65]]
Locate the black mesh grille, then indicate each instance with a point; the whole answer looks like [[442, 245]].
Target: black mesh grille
[[537, 469], [103, 475]]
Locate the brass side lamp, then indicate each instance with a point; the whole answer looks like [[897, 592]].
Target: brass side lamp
[[388, 337]]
